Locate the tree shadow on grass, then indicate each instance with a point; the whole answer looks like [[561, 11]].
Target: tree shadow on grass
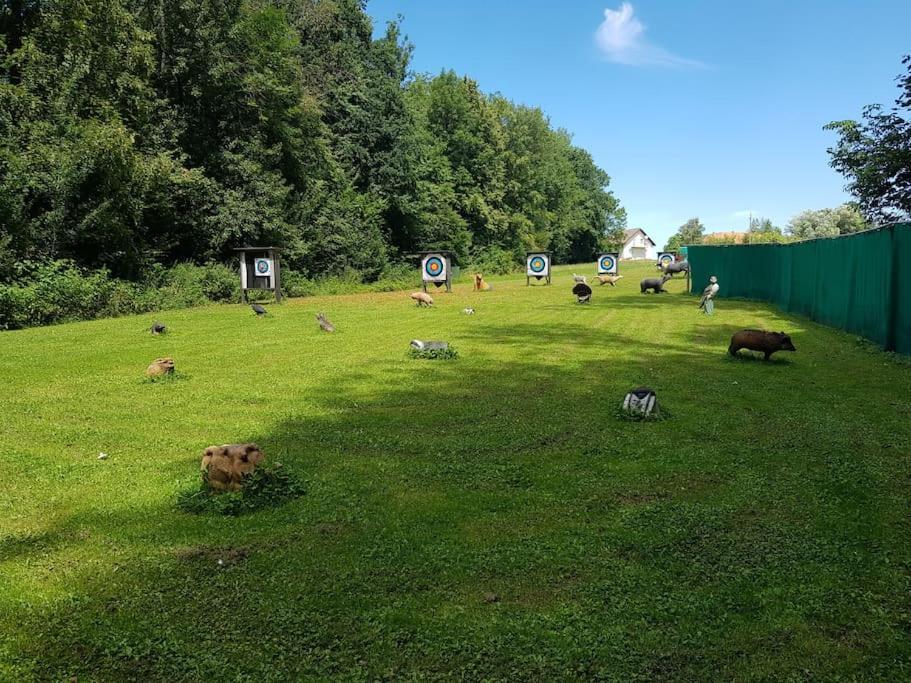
[[449, 481]]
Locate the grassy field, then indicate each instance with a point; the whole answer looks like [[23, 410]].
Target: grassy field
[[483, 518]]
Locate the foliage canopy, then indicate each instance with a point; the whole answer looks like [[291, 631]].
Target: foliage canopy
[[141, 133]]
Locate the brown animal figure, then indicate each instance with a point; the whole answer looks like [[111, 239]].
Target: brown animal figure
[[423, 298], [324, 323], [608, 279], [479, 284], [759, 340], [224, 467], [160, 367]]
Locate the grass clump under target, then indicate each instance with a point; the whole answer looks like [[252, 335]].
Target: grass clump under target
[[269, 486], [449, 353]]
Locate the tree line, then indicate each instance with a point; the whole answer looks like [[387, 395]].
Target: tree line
[[874, 155], [142, 133], [810, 224]]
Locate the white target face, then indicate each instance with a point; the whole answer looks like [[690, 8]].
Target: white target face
[[608, 263], [262, 267], [665, 259], [433, 268], [538, 265]]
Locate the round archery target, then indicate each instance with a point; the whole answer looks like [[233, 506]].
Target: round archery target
[[538, 265], [262, 267], [607, 264], [434, 268], [665, 259]]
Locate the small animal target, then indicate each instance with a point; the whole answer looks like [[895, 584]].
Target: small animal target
[[262, 267], [538, 265], [665, 258], [608, 264], [433, 268], [640, 401]]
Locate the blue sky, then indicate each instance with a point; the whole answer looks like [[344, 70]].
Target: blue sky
[[705, 108]]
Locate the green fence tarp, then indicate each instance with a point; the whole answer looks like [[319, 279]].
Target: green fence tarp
[[852, 282]]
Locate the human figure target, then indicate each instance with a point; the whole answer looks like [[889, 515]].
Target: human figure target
[[608, 264], [537, 265]]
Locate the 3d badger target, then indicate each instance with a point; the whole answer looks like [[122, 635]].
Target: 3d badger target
[[538, 265], [433, 268], [608, 264], [665, 259]]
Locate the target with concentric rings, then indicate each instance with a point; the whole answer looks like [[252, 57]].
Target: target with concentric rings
[[607, 264], [434, 269], [665, 259]]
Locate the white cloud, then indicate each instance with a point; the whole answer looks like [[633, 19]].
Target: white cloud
[[621, 36], [746, 213]]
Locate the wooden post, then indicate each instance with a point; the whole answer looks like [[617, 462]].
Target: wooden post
[[276, 277]]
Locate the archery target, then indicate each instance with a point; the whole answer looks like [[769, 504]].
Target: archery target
[[262, 267], [665, 259], [538, 265], [608, 264], [433, 268]]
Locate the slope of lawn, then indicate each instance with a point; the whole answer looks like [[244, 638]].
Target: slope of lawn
[[483, 518]]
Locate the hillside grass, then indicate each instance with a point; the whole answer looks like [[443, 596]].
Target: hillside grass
[[487, 517]]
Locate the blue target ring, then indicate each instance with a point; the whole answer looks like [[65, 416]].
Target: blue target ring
[[537, 264], [666, 259], [607, 263], [434, 266], [262, 267]]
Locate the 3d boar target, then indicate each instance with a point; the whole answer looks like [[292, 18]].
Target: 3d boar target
[[537, 265], [435, 268], [608, 264]]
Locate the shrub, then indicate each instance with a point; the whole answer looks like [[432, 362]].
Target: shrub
[[494, 261], [59, 291]]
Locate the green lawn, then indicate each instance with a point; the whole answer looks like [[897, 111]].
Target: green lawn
[[761, 533]]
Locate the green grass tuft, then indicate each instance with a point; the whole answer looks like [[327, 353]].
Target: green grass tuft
[[268, 486], [449, 353]]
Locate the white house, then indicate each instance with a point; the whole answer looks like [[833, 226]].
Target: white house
[[638, 245]]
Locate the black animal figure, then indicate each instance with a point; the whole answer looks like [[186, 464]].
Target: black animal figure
[[158, 328], [653, 284], [760, 340], [583, 292], [677, 267], [259, 310], [324, 323]]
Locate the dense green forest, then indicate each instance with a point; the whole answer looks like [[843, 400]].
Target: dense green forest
[[140, 134]]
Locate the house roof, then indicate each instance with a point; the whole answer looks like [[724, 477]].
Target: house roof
[[629, 234]]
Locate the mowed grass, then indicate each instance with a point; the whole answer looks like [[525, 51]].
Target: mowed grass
[[483, 518]]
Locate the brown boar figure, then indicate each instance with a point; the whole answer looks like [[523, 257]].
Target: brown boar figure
[[423, 298], [160, 367], [759, 340], [225, 466]]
